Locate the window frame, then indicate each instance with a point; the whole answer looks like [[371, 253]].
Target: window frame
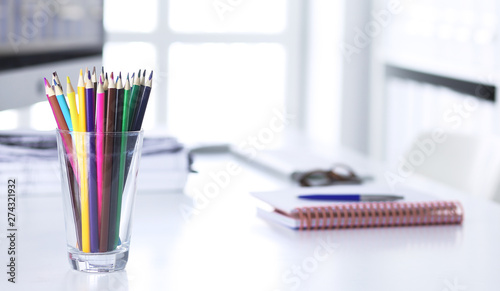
[[292, 38]]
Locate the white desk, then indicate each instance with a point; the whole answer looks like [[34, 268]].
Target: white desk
[[226, 247]]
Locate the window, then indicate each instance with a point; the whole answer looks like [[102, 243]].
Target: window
[[220, 66]]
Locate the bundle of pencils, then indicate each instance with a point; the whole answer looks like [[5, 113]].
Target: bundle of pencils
[[98, 168]]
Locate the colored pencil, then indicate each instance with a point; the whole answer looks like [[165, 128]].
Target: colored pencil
[[56, 78], [94, 83], [74, 175], [99, 148], [82, 157], [112, 242], [92, 166], [143, 104], [123, 153], [143, 83], [86, 76], [134, 100], [68, 144], [108, 165], [72, 104], [64, 106], [105, 85]]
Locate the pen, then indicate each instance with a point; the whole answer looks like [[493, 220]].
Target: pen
[[351, 197]]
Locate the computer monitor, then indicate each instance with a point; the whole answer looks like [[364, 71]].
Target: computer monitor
[[38, 37]]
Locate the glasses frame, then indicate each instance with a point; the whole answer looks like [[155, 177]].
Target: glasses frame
[[332, 175]]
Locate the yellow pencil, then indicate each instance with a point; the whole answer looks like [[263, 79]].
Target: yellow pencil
[[80, 148], [72, 104]]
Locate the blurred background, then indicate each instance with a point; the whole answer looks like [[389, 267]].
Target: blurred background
[[373, 76]]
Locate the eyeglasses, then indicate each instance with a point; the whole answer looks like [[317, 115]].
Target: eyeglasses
[[338, 174]]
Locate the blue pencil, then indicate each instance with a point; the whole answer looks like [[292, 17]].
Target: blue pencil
[[64, 106]]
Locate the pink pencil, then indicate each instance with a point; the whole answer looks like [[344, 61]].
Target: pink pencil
[[99, 146]]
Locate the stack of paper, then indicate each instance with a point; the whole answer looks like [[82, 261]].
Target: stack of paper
[[31, 158]]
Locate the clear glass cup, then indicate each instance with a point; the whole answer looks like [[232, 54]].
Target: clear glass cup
[[99, 172]]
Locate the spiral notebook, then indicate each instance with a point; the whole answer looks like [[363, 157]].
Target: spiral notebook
[[415, 209]]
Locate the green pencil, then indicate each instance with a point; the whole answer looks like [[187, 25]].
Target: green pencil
[[123, 155], [134, 99]]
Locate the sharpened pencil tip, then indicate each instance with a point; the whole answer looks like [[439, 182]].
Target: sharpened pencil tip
[[127, 76], [120, 75], [93, 71], [81, 72], [111, 75], [88, 75], [151, 75], [67, 79], [45, 81], [106, 76], [133, 74], [144, 74]]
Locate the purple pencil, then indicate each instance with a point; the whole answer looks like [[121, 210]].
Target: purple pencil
[[92, 168]]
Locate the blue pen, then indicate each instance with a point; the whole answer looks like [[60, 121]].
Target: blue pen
[[351, 197]]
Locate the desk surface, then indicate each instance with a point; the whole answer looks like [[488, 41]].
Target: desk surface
[[222, 245]]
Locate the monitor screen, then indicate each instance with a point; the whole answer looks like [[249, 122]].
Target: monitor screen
[[35, 32]]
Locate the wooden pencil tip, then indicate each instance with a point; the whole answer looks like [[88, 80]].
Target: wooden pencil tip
[[144, 74], [93, 71], [81, 72], [45, 81], [112, 75], [67, 79], [88, 75], [151, 75], [106, 76]]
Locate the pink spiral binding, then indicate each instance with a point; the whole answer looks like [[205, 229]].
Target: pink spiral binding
[[380, 214]]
